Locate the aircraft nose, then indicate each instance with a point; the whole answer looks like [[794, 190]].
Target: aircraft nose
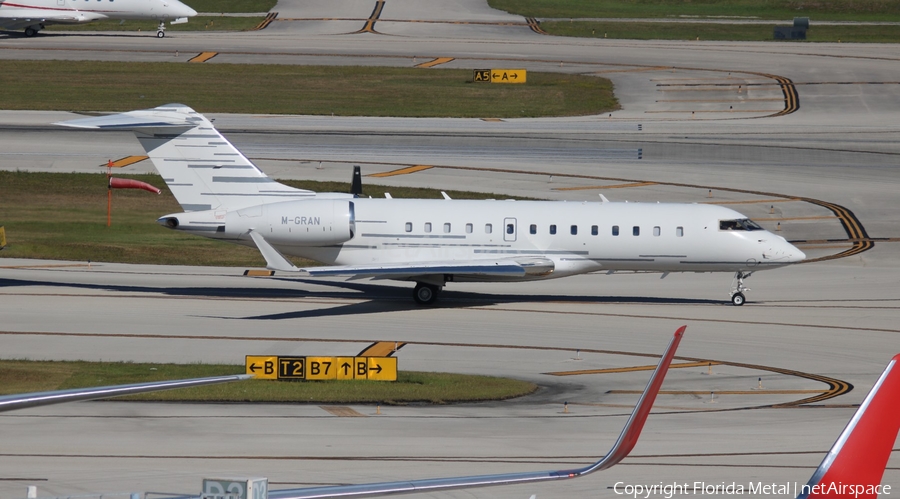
[[784, 251], [183, 10]]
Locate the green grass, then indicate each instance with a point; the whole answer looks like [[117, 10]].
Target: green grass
[[290, 89], [721, 32], [784, 10], [18, 376], [62, 216], [200, 23]]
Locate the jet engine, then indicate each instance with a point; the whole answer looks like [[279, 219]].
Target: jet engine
[[307, 222]]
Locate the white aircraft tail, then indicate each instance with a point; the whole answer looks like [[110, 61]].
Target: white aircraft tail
[[202, 169]]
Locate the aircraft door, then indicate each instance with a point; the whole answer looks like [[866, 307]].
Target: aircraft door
[[509, 229], [61, 3]]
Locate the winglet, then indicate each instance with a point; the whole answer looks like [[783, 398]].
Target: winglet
[[855, 464], [623, 446], [274, 259], [629, 436]]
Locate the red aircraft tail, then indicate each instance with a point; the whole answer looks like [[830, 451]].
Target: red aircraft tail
[[855, 464]]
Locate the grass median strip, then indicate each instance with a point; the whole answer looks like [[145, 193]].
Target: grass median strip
[[199, 23], [20, 376], [62, 216], [717, 32], [785, 10], [291, 89]]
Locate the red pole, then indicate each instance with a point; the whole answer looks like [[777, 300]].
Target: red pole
[[109, 164]]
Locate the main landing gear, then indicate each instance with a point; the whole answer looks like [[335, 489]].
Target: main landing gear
[[737, 294], [33, 30], [161, 30], [426, 294]]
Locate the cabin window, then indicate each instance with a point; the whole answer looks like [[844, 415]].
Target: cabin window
[[615, 230], [532, 229], [446, 228], [408, 226], [573, 230], [739, 224], [595, 230], [553, 229], [635, 231], [427, 226], [510, 229], [468, 228], [488, 228], [679, 231], [656, 231]]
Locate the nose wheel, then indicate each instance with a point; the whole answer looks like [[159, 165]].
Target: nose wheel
[[161, 30], [738, 288]]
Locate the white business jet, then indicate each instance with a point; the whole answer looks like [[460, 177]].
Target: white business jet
[[430, 241], [35, 15]]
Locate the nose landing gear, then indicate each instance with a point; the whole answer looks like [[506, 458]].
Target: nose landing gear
[[738, 289], [161, 30]]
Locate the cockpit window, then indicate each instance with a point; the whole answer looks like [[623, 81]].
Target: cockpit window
[[739, 224]]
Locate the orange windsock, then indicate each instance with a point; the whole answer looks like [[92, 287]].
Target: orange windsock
[[124, 183]]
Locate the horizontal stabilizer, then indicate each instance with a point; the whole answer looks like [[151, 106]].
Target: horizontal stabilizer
[[171, 115]]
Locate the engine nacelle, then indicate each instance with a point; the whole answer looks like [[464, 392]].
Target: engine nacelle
[[308, 222]]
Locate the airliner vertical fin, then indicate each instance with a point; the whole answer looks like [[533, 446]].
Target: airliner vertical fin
[[855, 464]]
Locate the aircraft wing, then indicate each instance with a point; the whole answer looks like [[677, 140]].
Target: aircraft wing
[[502, 267], [35, 399], [626, 441], [24, 17]]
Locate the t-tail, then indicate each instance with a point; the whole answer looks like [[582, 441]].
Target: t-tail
[[855, 464], [200, 166]]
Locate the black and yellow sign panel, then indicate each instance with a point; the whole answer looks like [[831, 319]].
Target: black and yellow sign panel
[[483, 75], [262, 366], [500, 75], [322, 368]]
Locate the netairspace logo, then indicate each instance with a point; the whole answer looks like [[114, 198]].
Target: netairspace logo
[[786, 489]]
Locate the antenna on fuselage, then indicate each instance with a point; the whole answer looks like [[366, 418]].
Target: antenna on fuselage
[[356, 183]]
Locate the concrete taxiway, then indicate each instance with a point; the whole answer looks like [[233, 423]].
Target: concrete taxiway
[[732, 123]]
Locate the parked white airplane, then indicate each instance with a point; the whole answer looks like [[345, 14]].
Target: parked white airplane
[[433, 242], [34, 15]]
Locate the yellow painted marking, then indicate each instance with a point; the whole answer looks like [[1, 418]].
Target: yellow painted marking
[[435, 62], [265, 22], [614, 370], [780, 200], [259, 273], [2, 237], [320, 368], [342, 411], [381, 349], [126, 161], [614, 186], [261, 366], [402, 171], [720, 392], [203, 56], [493, 120]]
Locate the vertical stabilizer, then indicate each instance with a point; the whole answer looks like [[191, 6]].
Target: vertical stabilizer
[[202, 169], [855, 464]]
